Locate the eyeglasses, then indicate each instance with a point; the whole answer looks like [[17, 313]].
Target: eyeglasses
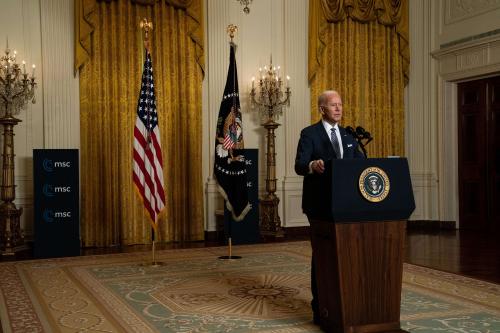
[[332, 105]]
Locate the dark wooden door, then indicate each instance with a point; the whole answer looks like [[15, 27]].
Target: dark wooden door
[[478, 153], [494, 152]]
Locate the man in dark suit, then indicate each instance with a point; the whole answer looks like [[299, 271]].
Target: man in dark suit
[[319, 144]]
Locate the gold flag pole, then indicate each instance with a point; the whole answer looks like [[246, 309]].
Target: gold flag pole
[[231, 31], [147, 26]]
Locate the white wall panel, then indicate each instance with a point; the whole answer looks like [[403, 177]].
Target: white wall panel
[[421, 110], [298, 115], [61, 99]]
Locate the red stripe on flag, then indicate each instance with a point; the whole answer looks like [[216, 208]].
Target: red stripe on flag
[[228, 142], [143, 143], [147, 177], [152, 161], [147, 206]]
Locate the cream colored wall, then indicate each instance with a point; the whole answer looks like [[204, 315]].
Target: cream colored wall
[[42, 31], [420, 105]]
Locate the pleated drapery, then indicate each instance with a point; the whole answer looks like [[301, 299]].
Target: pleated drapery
[[360, 48], [109, 54]]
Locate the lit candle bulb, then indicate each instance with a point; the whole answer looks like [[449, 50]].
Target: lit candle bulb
[[33, 72], [24, 67], [287, 81], [253, 81]]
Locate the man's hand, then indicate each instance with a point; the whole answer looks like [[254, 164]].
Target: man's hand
[[318, 166]]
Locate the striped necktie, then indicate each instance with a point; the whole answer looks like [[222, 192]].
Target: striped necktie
[[335, 142]]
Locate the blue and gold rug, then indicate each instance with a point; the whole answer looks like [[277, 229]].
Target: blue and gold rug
[[266, 291]]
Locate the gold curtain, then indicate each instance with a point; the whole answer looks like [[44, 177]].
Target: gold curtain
[[110, 62], [360, 48]]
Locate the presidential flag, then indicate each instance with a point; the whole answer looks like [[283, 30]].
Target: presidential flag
[[230, 166], [148, 164]]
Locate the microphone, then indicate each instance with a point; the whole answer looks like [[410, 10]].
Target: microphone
[[351, 131], [360, 131]]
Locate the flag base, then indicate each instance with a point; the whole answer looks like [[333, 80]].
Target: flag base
[[229, 257], [152, 264]]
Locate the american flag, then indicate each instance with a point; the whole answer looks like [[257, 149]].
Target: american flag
[[148, 164], [228, 142]]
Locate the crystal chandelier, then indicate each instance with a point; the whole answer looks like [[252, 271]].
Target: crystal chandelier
[[270, 99], [245, 3], [16, 87]]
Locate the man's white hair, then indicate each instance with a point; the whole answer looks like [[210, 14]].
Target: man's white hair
[[323, 97]]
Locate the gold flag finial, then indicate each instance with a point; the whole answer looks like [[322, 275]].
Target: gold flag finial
[[147, 26], [231, 31]]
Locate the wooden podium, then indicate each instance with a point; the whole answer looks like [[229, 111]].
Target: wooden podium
[[358, 244]]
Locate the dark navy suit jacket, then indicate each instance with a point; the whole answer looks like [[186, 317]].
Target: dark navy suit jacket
[[315, 144]]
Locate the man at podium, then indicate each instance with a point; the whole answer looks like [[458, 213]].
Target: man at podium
[[318, 145]]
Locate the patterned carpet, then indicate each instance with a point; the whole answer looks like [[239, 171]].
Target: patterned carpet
[[266, 291]]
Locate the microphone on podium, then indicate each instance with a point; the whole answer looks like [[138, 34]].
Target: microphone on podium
[[360, 134]]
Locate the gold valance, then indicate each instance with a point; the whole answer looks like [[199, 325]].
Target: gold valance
[[85, 9], [322, 13]]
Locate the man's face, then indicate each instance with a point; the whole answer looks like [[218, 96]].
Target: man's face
[[332, 110]]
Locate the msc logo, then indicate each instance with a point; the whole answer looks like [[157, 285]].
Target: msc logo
[[49, 165], [49, 215], [50, 190]]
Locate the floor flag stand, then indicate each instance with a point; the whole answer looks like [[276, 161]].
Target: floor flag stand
[[230, 244], [153, 263]]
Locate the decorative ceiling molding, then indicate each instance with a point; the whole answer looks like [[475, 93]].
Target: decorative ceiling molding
[[458, 10], [472, 59]]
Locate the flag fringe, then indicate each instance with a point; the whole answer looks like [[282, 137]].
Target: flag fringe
[[230, 207]]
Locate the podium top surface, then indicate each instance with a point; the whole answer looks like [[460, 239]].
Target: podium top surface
[[373, 189]]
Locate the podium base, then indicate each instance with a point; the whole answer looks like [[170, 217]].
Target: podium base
[[354, 330], [391, 327]]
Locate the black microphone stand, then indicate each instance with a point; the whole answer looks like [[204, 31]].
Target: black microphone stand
[[360, 134]]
